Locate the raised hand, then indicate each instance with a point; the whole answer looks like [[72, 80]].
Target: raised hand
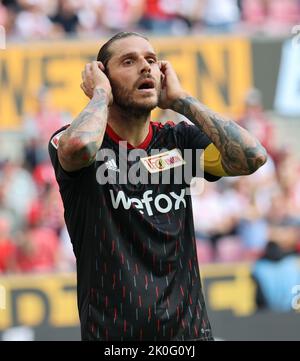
[[93, 77], [171, 87]]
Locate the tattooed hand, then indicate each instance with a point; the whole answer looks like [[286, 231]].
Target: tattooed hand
[[93, 77]]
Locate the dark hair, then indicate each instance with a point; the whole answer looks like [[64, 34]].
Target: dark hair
[[104, 54]]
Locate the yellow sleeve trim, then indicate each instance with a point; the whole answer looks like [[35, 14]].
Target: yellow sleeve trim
[[213, 161]]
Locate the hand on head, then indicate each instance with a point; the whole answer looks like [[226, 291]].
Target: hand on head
[[94, 77], [171, 88]]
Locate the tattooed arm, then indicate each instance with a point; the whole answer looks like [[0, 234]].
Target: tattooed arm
[[81, 140], [241, 153]]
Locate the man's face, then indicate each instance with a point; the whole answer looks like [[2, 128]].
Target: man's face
[[134, 75]]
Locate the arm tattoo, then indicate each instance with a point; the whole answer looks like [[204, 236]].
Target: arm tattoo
[[241, 152], [87, 129]]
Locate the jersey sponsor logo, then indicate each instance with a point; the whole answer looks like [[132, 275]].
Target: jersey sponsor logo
[[163, 161], [162, 203], [55, 139]]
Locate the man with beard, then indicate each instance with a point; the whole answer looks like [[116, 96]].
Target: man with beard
[[137, 268]]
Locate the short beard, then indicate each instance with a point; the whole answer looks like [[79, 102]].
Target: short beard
[[124, 100]]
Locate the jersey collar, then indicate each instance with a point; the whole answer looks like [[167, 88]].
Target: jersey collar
[[116, 138]]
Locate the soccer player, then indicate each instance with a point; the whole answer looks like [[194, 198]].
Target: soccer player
[[137, 269]]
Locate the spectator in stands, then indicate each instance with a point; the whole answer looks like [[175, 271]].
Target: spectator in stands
[[254, 13], [19, 190], [89, 17], [257, 192], [32, 22], [278, 270], [191, 13], [47, 210], [275, 16], [252, 227], [39, 126], [159, 16], [66, 259], [288, 171], [121, 15], [234, 221], [56, 18], [7, 247], [255, 120], [216, 225], [37, 249], [221, 16], [5, 212], [66, 18], [8, 14]]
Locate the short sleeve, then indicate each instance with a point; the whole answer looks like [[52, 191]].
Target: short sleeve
[[192, 138], [63, 177]]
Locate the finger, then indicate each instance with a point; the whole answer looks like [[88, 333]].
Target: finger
[[101, 66], [87, 69], [86, 91], [82, 86], [163, 65], [95, 67], [85, 88], [88, 76]]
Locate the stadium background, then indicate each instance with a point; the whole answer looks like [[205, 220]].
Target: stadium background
[[240, 58]]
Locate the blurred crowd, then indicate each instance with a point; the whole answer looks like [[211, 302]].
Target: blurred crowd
[[46, 19], [33, 237]]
